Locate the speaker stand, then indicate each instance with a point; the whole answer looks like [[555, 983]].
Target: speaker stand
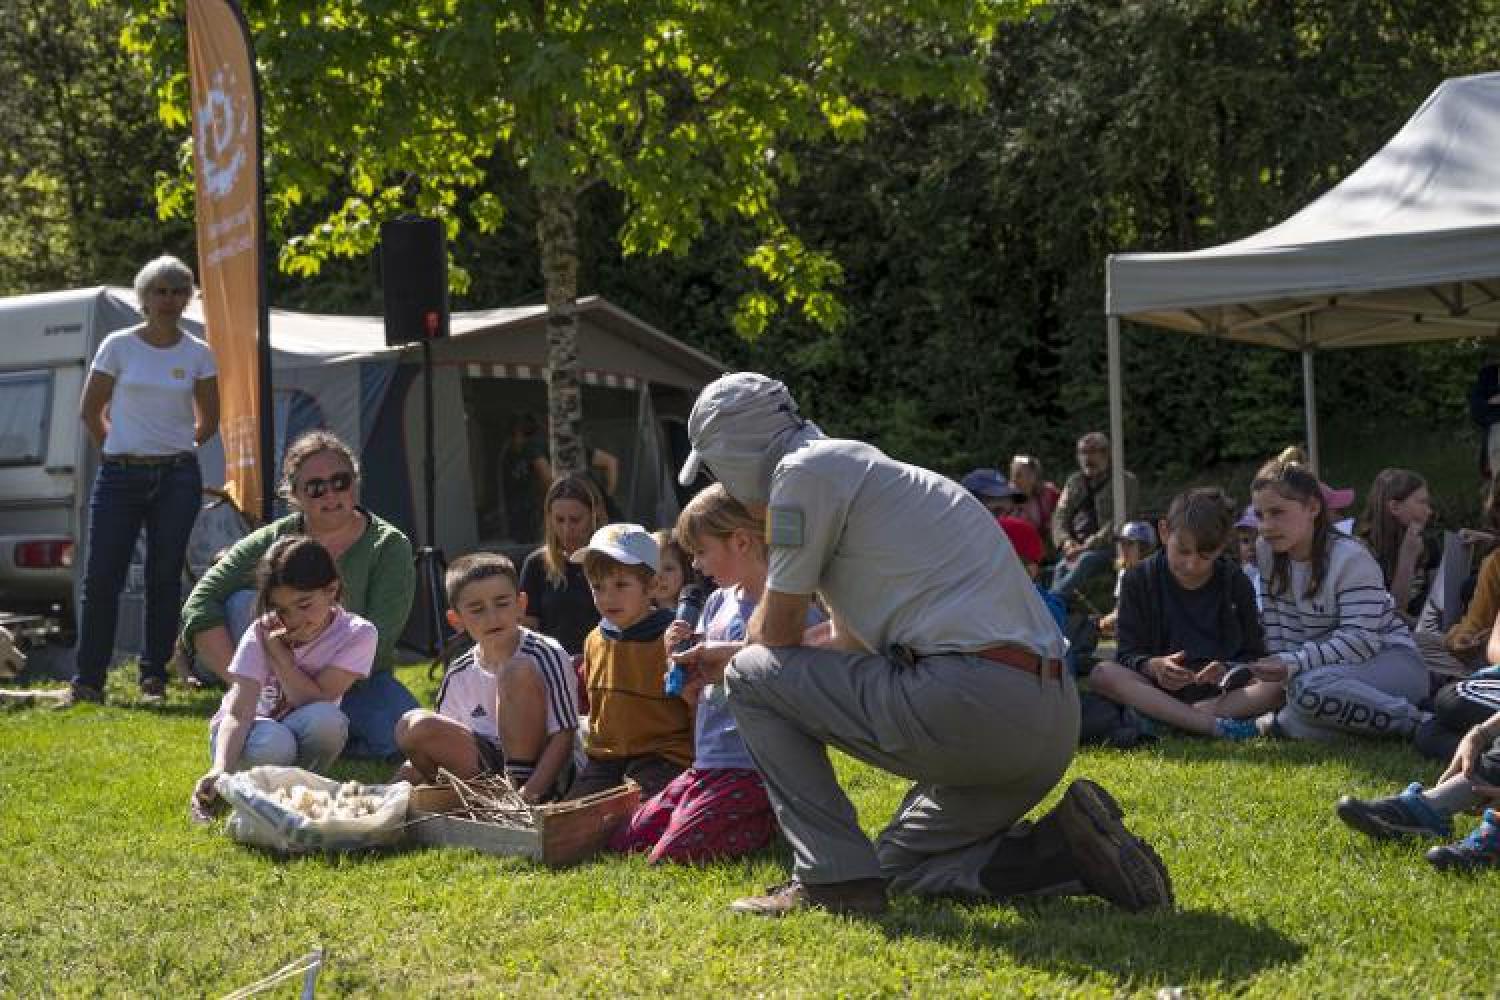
[[431, 564], [431, 601]]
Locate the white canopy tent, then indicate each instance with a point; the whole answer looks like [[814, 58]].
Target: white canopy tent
[[1405, 249]]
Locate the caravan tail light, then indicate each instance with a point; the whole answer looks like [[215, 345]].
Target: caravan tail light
[[47, 553]]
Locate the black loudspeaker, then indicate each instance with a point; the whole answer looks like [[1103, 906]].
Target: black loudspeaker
[[414, 276]]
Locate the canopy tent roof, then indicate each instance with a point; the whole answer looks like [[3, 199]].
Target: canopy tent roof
[[1404, 249]]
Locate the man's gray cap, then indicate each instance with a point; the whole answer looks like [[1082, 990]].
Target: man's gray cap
[[737, 415]]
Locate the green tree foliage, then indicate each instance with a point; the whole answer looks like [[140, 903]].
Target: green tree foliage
[[689, 109], [79, 147], [970, 240], [973, 241]]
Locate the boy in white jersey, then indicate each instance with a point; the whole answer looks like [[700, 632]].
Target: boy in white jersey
[[508, 705]]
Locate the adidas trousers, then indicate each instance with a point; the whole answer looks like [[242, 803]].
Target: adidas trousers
[[1375, 698]]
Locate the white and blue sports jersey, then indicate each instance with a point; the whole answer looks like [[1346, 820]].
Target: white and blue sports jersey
[[468, 693]]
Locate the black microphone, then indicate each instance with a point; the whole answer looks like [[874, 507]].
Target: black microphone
[[689, 609]]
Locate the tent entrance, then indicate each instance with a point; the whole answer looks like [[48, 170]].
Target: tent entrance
[[508, 454], [506, 420]]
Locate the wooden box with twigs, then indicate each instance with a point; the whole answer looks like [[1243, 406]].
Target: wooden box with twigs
[[488, 815]]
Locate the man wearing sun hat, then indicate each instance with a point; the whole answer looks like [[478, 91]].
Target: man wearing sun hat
[[944, 667]]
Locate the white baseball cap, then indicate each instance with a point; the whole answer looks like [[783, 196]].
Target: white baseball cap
[[629, 544]]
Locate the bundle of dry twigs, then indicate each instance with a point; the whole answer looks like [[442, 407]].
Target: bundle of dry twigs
[[492, 799]]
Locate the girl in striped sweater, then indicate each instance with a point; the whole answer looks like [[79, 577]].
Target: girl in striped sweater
[[1348, 662]]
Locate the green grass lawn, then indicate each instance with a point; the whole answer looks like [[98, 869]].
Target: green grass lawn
[[107, 890]]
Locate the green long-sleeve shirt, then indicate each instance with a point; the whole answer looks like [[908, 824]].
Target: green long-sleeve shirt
[[378, 576]]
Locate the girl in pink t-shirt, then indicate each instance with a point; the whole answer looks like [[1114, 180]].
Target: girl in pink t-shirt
[[290, 671]]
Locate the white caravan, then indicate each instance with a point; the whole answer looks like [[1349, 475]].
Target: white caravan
[[46, 342]]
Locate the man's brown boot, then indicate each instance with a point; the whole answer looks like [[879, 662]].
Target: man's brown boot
[[1113, 862], [861, 897]]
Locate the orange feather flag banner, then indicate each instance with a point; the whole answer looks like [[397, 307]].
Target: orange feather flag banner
[[228, 177]]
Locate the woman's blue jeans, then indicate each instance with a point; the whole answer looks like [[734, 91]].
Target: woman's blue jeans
[[164, 499]]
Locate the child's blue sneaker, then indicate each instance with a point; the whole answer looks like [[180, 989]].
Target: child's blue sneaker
[[1399, 817], [1236, 729], [1479, 850]]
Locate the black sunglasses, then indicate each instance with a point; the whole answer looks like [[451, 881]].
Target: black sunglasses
[[338, 482]]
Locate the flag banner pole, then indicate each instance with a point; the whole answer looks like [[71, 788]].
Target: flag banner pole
[[227, 175]]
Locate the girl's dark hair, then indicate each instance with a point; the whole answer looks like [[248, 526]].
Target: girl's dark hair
[[1378, 526], [1206, 513], [1292, 481], [668, 543], [299, 562]]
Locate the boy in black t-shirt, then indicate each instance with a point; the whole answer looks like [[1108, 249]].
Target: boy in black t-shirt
[[1186, 616]]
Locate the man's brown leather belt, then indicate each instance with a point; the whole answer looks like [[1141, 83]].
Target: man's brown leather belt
[[1022, 659]]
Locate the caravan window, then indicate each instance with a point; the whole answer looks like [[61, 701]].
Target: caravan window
[[25, 416]]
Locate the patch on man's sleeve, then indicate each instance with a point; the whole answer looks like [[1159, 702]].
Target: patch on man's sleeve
[[784, 527]]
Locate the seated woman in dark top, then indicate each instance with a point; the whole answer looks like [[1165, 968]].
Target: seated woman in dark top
[[1186, 615], [524, 475], [558, 600]]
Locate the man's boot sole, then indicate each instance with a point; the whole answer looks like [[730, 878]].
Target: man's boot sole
[[1114, 863]]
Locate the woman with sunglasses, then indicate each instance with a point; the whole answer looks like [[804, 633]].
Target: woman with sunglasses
[[151, 399], [320, 481]]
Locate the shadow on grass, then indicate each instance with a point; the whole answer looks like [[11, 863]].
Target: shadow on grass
[[343, 858], [180, 702], [1078, 936], [169, 710], [198, 709], [1383, 761]]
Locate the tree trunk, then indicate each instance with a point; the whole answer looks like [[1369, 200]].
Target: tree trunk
[[557, 236]]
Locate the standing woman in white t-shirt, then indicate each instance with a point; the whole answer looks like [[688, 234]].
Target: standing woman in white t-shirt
[[152, 397]]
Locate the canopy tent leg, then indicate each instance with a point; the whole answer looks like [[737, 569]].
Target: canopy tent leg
[[1116, 426], [1310, 409]]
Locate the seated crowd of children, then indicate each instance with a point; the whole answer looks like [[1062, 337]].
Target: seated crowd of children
[[513, 703], [1278, 619], [1230, 623]]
